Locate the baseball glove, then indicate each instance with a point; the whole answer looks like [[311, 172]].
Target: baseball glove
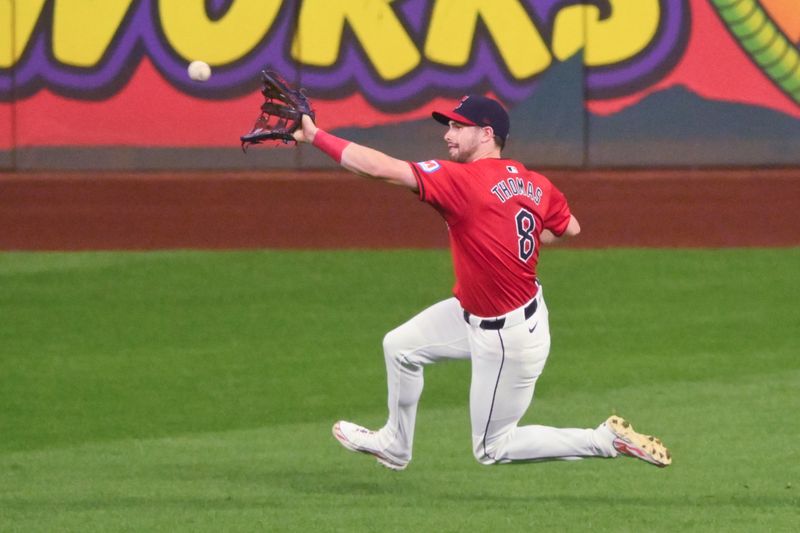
[[281, 112]]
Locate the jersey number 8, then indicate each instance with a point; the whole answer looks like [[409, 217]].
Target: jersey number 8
[[525, 226]]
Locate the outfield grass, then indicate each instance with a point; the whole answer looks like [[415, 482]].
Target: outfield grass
[[193, 391]]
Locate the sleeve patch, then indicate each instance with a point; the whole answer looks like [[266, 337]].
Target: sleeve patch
[[429, 166]]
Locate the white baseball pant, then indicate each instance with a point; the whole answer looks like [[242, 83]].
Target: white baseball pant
[[505, 366]]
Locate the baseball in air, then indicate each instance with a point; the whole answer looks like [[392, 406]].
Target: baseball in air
[[199, 70]]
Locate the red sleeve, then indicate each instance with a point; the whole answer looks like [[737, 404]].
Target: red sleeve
[[441, 186], [420, 182], [558, 214]]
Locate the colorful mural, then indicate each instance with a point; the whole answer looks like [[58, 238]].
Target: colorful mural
[[110, 73]]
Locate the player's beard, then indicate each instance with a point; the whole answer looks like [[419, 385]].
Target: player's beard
[[461, 152], [463, 148], [455, 154], [463, 156]]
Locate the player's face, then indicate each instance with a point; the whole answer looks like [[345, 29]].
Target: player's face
[[463, 141]]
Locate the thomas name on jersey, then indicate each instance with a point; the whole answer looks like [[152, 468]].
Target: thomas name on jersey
[[516, 186]]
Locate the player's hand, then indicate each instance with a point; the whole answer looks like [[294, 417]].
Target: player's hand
[[306, 132]]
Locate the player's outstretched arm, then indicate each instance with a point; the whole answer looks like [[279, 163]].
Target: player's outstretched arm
[[356, 158]]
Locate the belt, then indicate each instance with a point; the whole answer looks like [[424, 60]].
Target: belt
[[513, 318]]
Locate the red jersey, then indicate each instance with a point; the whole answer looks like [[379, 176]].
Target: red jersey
[[495, 211]]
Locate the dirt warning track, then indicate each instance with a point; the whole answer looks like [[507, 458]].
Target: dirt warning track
[[334, 209]]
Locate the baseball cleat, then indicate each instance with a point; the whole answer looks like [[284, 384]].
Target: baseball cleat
[[629, 442], [359, 439]]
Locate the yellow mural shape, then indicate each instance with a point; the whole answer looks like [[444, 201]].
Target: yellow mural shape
[[630, 28], [568, 32], [374, 24], [17, 20], [451, 36], [193, 35], [83, 29]]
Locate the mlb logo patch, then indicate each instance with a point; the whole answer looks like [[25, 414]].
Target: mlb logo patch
[[512, 169], [429, 166]]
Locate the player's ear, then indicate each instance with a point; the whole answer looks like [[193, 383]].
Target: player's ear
[[487, 134]]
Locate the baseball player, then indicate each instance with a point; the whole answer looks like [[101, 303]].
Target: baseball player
[[498, 214]]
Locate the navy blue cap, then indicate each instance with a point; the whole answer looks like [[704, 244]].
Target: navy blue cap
[[477, 110]]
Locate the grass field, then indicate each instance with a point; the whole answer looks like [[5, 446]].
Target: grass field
[[193, 391]]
